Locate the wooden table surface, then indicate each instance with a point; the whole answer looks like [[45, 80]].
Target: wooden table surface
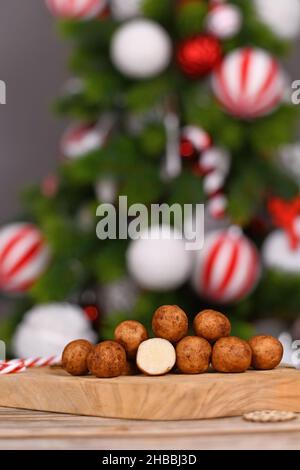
[[20, 429]]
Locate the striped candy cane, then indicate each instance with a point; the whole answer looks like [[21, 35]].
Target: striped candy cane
[[12, 367], [194, 140], [42, 361], [20, 365], [211, 163], [214, 165]]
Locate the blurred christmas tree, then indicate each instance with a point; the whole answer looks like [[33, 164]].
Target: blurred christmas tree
[[174, 101]]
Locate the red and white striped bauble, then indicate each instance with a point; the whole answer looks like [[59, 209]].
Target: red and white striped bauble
[[80, 139], [249, 83], [76, 9], [24, 256], [228, 266], [194, 140]]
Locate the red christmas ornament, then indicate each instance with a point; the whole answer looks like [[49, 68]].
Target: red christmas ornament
[[88, 301], [199, 55], [92, 312]]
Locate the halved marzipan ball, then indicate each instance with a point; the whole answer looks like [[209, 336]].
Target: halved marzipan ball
[[231, 355], [211, 325], [193, 355], [74, 357], [267, 352], [107, 359], [130, 334], [156, 356], [170, 322]]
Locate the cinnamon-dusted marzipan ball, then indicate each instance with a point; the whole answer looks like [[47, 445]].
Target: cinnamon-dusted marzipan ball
[[267, 352], [156, 356], [170, 322], [231, 354], [107, 359], [130, 334], [74, 357], [193, 355], [211, 325]]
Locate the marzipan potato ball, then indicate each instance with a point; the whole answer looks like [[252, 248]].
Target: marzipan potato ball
[[211, 325], [130, 334], [170, 322], [193, 355], [132, 352], [74, 357], [267, 352], [156, 356], [107, 359], [231, 355]]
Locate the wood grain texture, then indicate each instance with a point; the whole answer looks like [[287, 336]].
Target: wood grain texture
[[171, 397], [23, 429]]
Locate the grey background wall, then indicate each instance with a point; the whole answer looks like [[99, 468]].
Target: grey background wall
[[33, 64]]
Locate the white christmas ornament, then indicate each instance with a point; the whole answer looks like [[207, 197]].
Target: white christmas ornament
[[159, 261], [249, 83], [281, 16], [76, 9], [278, 254], [125, 9], [141, 49], [24, 256], [46, 329], [224, 21], [228, 266]]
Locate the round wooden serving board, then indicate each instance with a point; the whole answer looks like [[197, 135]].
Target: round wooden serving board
[[171, 397]]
